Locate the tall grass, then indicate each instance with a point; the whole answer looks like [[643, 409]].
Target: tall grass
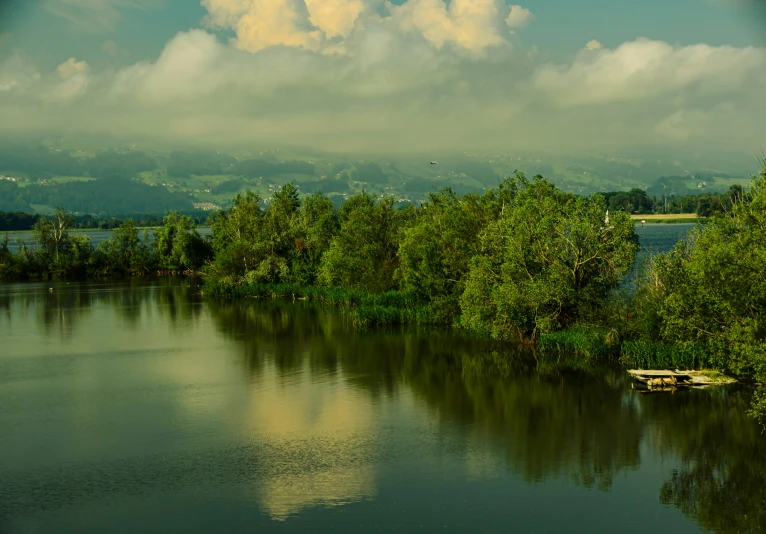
[[591, 343], [585, 344], [365, 309], [653, 355]]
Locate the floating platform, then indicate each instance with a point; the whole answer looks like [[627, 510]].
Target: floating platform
[[671, 380]]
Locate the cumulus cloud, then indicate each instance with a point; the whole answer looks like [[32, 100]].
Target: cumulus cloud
[[472, 25], [335, 18], [261, 24], [593, 45], [645, 69], [325, 25], [519, 17], [420, 76], [71, 67]]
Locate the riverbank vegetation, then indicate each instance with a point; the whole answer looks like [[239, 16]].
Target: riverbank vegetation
[[11, 221], [55, 252], [524, 262]]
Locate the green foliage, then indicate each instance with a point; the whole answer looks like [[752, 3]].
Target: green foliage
[[711, 290], [282, 244], [177, 244], [547, 260], [643, 354], [363, 254], [315, 226], [589, 343], [125, 253], [436, 249]]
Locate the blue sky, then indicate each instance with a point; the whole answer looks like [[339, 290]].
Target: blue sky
[[655, 72]]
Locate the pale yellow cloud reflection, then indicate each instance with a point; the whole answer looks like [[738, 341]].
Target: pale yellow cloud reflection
[[320, 437]]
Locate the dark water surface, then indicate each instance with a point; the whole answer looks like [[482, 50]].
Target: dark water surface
[[139, 407]]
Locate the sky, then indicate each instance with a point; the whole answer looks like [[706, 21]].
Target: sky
[[390, 76]]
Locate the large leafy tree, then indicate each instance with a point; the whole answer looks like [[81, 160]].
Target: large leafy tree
[[235, 235], [547, 262], [178, 245], [125, 252], [436, 249], [314, 227], [363, 254]]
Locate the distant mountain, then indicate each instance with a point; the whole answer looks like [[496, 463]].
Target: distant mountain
[[39, 177]]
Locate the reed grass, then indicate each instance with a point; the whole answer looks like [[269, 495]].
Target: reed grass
[[392, 308], [591, 343], [653, 355]]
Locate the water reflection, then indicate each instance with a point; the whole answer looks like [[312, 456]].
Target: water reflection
[[61, 307], [143, 389], [542, 420]]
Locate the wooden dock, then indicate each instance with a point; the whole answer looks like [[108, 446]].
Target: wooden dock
[[671, 380], [661, 379]]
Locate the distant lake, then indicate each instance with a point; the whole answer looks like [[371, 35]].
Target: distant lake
[[655, 237], [140, 407], [95, 236]]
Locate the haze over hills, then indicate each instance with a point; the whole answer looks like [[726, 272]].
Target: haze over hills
[[146, 105], [127, 178]]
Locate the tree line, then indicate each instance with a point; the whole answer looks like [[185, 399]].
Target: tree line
[[638, 201], [524, 262], [20, 221]]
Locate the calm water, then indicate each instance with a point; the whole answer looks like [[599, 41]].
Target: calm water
[[95, 236], [654, 237], [140, 407]]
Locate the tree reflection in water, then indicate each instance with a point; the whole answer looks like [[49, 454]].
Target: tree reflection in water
[[546, 418], [540, 419]]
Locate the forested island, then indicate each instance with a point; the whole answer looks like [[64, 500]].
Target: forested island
[[524, 263]]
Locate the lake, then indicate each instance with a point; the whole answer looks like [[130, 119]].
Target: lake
[[96, 236], [656, 237], [142, 407]]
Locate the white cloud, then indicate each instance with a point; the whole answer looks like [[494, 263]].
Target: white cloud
[[17, 75], [645, 69], [261, 24], [71, 67], [326, 25], [684, 124], [421, 76], [471, 25], [593, 45], [519, 17], [335, 18]]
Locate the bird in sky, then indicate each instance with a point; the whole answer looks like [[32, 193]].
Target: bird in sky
[[434, 162]]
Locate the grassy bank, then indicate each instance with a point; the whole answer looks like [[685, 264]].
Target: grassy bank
[[584, 344], [392, 308], [669, 218]]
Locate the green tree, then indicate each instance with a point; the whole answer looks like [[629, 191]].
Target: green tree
[[124, 252], [363, 254], [435, 251], [236, 232], [547, 262], [178, 245], [52, 235], [314, 227], [276, 241], [711, 289]]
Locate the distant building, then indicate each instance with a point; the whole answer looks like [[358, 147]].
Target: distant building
[[206, 206]]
